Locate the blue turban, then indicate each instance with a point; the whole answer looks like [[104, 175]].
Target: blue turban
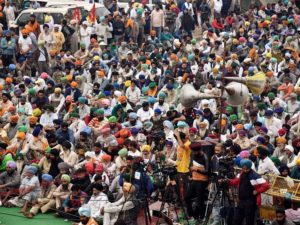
[[134, 131], [181, 124], [27, 80], [157, 111], [152, 100], [133, 115], [247, 163], [36, 131], [31, 169], [84, 212], [168, 124], [47, 177]]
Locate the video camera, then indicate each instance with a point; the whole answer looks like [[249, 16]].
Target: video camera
[[225, 169]]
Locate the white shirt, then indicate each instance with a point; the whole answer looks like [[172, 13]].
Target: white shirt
[[96, 203], [133, 95], [135, 154], [145, 115], [25, 43], [163, 108], [267, 166], [47, 119]]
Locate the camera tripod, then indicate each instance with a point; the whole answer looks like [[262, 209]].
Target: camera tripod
[[168, 195], [219, 196]]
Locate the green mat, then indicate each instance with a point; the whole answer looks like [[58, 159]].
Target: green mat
[[11, 216]]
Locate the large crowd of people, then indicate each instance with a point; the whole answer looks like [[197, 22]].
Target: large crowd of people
[[91, 111]]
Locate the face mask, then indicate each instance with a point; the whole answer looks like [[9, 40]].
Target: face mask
[[24, 36]]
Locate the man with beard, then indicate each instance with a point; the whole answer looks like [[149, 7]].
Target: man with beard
[[67, 155], [281, 218], [85, 141], [97, 201], [83, 108], [57, 99], [265, 164], [250, 186], [133, 121], [65, 132], [145, 113], [47, 117], [98, 122], [29, 190], [73, 91], [63, 190], [9, 182], [45, 162], [272, 123], [45, 201], [6, 103], [194, 136], [113, 125], [199, 182], [77, 125], [161, 104], [41, 100], [38, 143], [11, 128], [25, 105], [81, 178], [98, 151], [85, 217], [203, 131], [54, 161], [157, 120]]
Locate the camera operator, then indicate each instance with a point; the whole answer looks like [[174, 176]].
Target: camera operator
[[199, 181], [215, 159], [250, 186]]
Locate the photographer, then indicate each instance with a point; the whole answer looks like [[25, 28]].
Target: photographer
[[200, 173], [250, 186]]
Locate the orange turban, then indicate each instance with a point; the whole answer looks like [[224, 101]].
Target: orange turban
[[69, 77], [122, 99], [106, 157], [21, 135], [281, 140], [239, 127], [8, 80], [100, 73], [14, 119], [270, 73], [124, 133], [33, 119], [74, 84]]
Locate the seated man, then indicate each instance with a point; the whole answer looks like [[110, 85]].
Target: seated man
[[125, 203], [63, 190], [74, 201], [29, 190], [85, 217], [97, 201], [9, 182], [46, 201]]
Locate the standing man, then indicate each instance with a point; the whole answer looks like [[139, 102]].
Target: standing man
[[158, 20], [199, 182], [250, 186], [9, 13]]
